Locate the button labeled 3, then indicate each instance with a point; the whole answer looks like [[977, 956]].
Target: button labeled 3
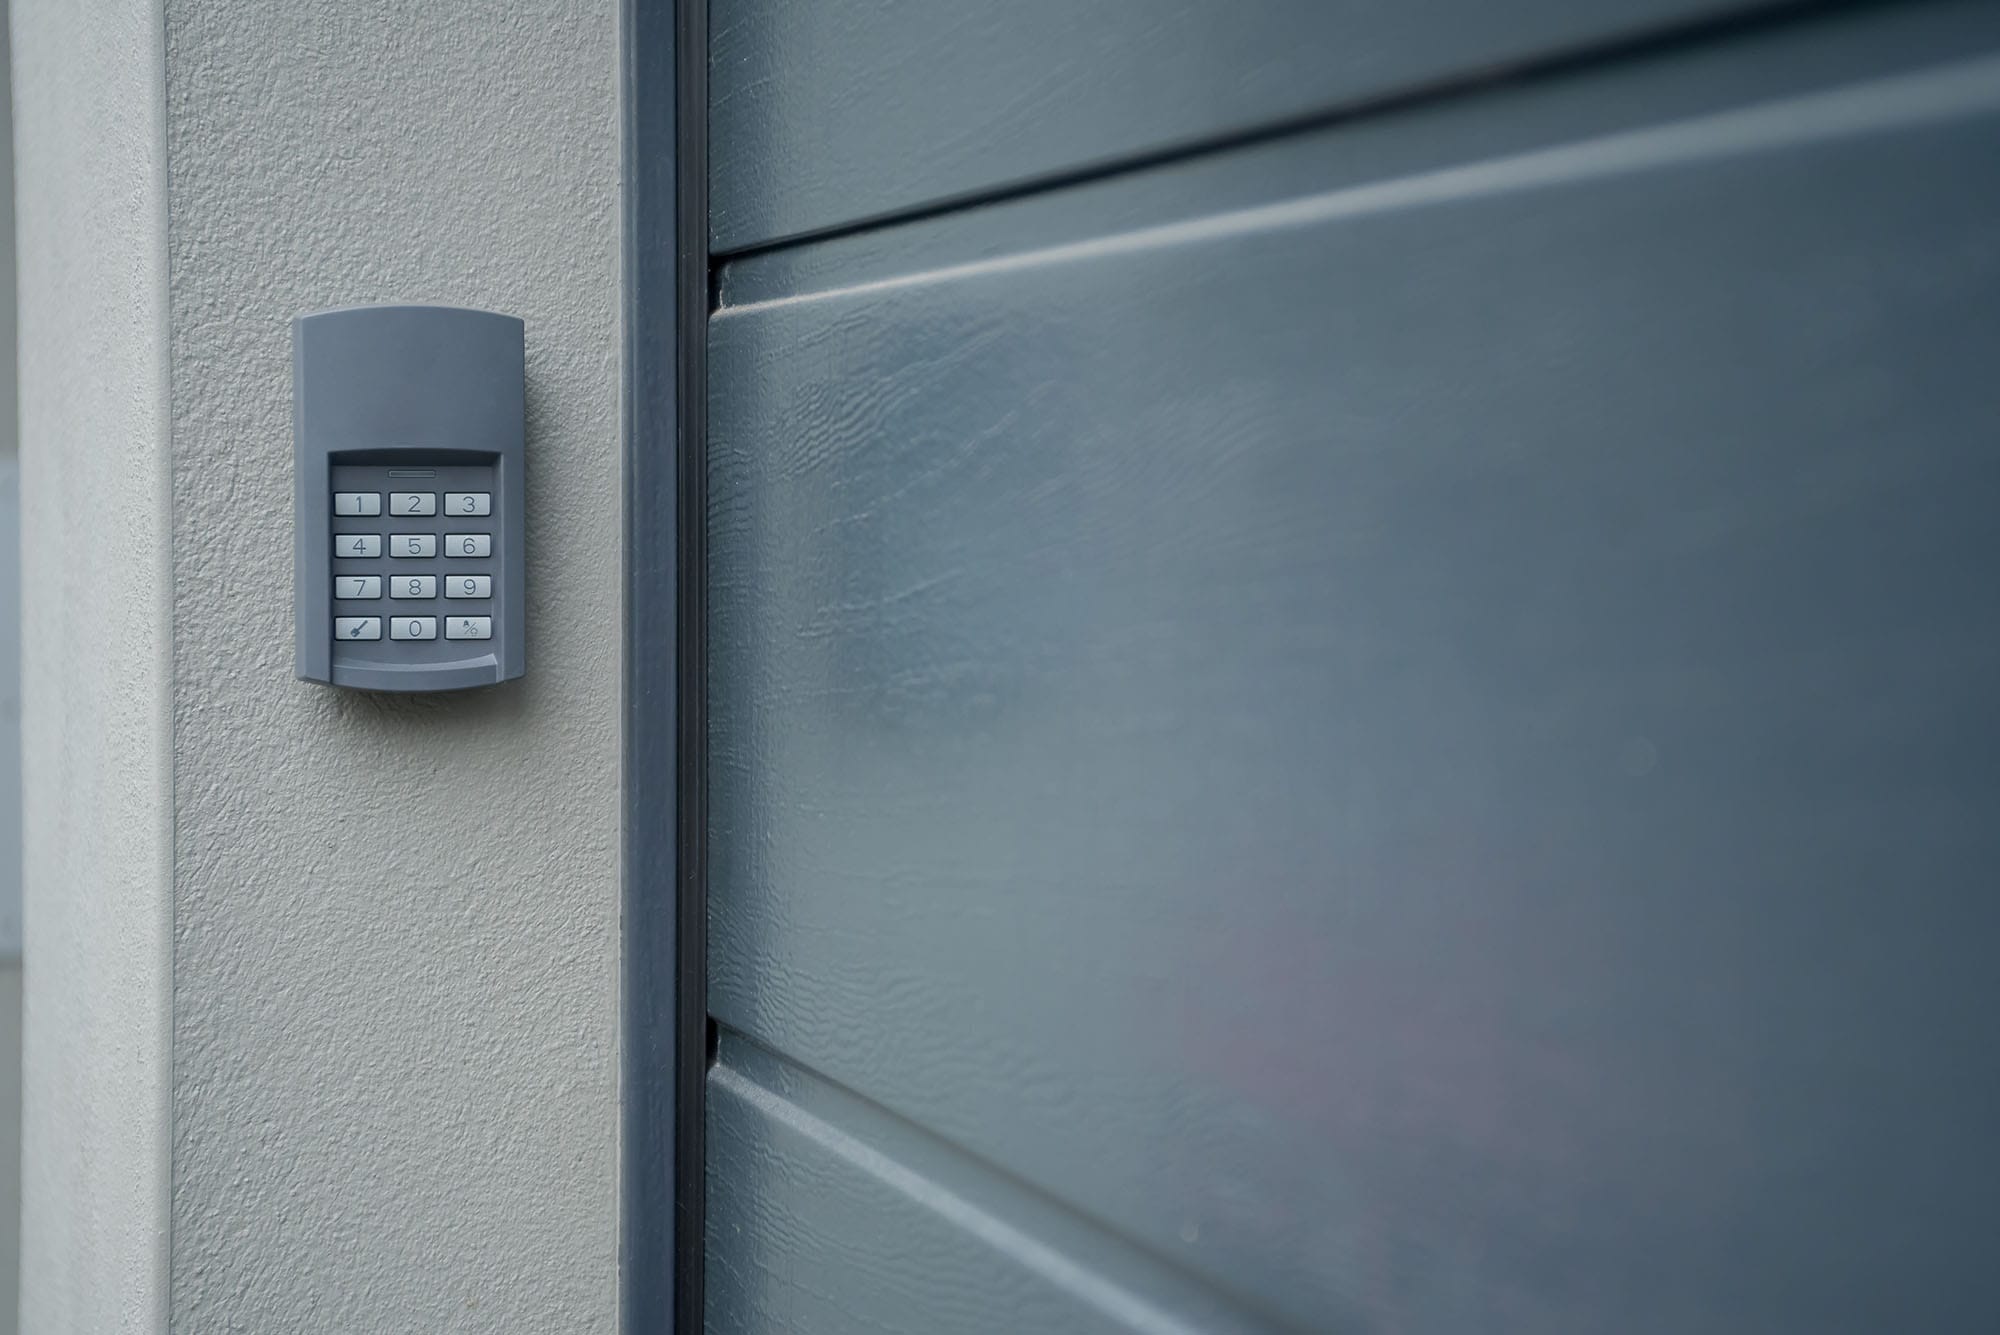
[[468, 503], [468, 628]]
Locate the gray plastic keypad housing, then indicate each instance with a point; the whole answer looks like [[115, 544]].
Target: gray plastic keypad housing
[[408, 443]]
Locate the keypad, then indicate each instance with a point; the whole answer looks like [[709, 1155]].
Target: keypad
[[394, 543]]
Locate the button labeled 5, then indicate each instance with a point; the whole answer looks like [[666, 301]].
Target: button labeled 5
[[413, 586], [413, 544]]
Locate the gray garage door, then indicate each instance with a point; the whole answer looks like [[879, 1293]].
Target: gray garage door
[[1354, 679]]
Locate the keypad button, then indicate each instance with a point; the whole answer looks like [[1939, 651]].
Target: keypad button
[[468, 503], [357, 628], [468, 544], [413, 628], [357, 586], [413, 586], [413, 503], [361, 503], [357, 544], [413, 544], [468, 586], [468, 628]]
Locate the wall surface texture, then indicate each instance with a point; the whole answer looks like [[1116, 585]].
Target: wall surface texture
[[388, 1099], [396, 918], [95, 746]]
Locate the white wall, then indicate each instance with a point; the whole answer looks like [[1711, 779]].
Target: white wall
[[394, 942], [90, 200]]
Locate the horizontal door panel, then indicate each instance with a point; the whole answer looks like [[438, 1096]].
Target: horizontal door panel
[[1427, 748], [824, 113]]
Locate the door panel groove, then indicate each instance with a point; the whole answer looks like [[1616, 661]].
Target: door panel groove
[[775, 1097]]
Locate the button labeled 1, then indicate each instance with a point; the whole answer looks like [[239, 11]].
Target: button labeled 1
[[468, 628], [357, 503], [468, 502], [413, 628]]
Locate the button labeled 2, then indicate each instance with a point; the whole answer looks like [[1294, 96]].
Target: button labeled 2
[[413, 503]]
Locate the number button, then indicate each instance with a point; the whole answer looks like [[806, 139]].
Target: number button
[[357, 503], [357, 628], [413, 628], [468, 544], [468, 628], [413, 503], [413, 586], [357, 586], [414, 544], [357, 544], [468, 586], [468, 502]]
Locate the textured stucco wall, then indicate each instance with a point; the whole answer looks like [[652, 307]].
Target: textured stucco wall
[[395, 919], [95, 753]]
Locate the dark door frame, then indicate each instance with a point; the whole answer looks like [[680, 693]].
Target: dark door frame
[[664, 1040]]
